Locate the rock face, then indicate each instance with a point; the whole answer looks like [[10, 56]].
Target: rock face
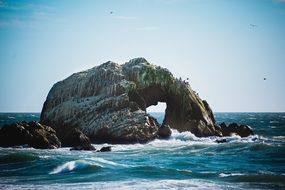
[[108, 103], [33, 134], [234, 128], [105, 149], [76, 139], [164, 132]]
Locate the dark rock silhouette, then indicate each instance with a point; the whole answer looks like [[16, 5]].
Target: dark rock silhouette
[[105, 149], [77, 140], [32, 134], [164, 132], [234, 128], [221, 141]]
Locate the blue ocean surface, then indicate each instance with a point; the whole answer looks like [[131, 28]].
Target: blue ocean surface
[[182, 162]]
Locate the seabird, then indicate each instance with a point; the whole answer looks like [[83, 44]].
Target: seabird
[[111, 12], [264, 78], [253, 25]]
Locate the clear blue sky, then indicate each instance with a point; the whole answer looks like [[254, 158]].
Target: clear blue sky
[[210, 41]]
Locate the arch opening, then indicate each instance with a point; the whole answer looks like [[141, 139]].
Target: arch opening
[[157, 111]]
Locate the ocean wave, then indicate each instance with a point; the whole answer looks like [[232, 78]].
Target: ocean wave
[[185, 139], [230, 174], [261, 176], [137, 184], [183, 136], [274, 121], [103, 162], [191, 138], [279, 137], [75, 165], [16, 157]]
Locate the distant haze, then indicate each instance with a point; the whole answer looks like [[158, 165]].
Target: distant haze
[[232, 51]]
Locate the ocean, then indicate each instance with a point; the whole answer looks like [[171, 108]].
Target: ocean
[[182, 162]]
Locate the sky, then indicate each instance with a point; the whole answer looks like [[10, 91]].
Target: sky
[[225, 47]]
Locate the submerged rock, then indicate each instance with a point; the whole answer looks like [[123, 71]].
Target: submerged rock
[[221, 141], [108, 103], [32, 134], [105, 149], [235, 129]]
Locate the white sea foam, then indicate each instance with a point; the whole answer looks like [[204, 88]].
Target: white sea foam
[[44, 156], [177, 140], [135, 184], [180, 140], [105, 162], [274, 121], [230, 174], [279, 137]]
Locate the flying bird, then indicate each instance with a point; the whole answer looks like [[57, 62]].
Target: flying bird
[[264, 78], [253, 25], [111, 12]]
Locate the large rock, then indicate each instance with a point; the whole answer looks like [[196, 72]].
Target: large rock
[[32, 134], [108, 103], [14, 135]]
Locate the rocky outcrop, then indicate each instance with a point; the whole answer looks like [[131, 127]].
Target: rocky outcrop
[[32, 134], [235, 129], [105, 149], [77, 140], [164, 131], [108, 103]]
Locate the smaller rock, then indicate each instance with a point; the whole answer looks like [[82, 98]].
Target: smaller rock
[[164, 131], [44, 137], [105, 149], [77, 140], [221, 141], [218, 130], [234, 128]]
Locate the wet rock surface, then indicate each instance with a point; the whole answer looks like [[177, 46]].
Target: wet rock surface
[[164, 132], [236, 129], [77, 140], [31, 134], [105, 149]]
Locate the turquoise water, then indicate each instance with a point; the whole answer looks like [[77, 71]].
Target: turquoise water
[[182, 162]]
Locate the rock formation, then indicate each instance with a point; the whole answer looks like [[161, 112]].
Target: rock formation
[[164, 132], [108, 103], [235, 129], [32, 134], [105, 149], [77, 140]]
